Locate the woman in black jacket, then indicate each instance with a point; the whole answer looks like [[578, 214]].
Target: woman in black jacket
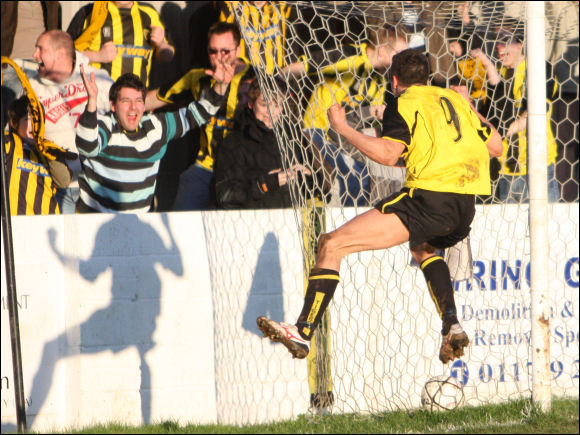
[[248, 172]]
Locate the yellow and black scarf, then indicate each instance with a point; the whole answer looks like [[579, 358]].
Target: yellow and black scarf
[[45, 147]]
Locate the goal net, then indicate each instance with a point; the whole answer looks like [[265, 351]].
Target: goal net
[[379, 341]]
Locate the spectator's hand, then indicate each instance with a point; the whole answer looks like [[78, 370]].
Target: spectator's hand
[[294, 69], [377, 111], [163, 50], [463, 12], [518, 125], [337, 117], [223, 75], [478, 54], [285, 176], [511, 129], [493, 77], [91, 88], [157, 36], [293, 172], [461, 90], [107, 53]]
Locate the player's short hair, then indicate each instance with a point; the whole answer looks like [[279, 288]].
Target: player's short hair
[[411, 67], [221, 27], [128, 80], [60, 39]]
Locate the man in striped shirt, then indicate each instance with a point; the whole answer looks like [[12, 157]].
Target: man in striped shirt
[[121, 151]]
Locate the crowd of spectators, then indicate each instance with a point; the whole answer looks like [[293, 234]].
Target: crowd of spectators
[[115, 147]]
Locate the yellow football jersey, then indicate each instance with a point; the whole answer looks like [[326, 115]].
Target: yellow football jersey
[[445, 140]]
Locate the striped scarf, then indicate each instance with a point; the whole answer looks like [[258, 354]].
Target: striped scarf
[[47, 148]]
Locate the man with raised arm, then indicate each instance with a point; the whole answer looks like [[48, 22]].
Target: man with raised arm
[[446, 146], [509, 113], [59, 86], [194, 190], [121, 151]]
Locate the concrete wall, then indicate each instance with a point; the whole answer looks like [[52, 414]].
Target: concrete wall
[[117, 320], [152, 317]]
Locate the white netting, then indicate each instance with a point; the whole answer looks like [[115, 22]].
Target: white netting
[[384, 329]]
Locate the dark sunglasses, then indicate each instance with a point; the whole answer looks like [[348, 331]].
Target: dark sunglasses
[[223, 51]]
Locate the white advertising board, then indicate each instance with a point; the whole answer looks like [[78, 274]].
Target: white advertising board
[[386, 331]]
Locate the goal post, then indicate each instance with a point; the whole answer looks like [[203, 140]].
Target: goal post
[[519, 303], [319, 357], [538, 211]]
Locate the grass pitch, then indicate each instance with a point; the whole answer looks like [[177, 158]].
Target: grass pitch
[[514, 417]]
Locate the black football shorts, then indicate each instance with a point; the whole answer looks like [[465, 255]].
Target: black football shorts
[[440, 218]]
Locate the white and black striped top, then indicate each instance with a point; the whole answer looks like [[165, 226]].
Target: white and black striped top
[[119, 167]]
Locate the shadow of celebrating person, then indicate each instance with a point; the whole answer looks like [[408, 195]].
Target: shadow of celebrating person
[[270, 298], [131, 248]]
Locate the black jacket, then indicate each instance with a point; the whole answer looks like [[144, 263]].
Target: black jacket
[[242, 164]]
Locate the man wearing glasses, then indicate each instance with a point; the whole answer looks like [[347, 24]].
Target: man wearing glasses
[[224, 47]]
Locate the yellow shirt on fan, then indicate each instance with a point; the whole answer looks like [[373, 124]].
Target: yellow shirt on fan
[[349, 81], [514, 159]]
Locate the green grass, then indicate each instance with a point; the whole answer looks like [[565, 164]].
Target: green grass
[[514, 417]]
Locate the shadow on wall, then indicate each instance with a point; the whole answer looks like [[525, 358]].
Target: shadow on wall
[[268, 265], [131, 317]]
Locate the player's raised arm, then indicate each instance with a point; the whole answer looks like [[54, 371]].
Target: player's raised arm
[[381, 150]]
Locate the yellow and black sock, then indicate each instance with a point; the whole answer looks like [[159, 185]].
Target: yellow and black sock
[[321, 286], [439, 283]]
